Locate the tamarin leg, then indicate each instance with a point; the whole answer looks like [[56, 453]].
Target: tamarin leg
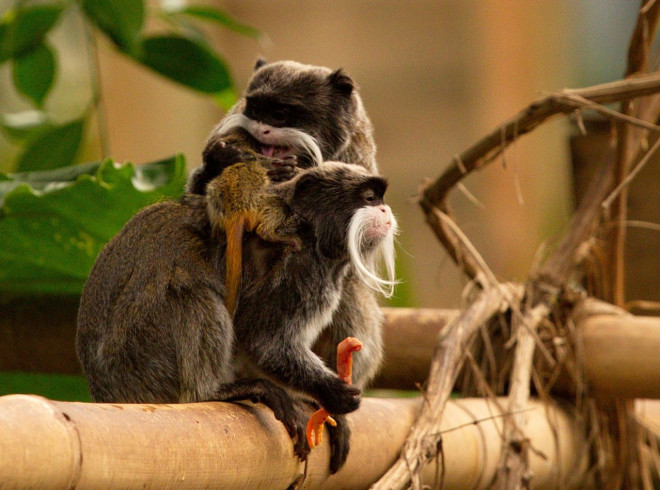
[[358, 315], [275, 226], [284, 408]]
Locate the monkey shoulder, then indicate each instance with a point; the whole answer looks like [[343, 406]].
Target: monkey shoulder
[[282, 272], [158, 247]]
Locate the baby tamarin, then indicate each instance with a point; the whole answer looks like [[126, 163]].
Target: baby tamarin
[[153, 328], [316, 114], [237, 202]]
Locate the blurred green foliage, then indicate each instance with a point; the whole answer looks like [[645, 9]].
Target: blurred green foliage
[[180, 51], [55, 217], [61, 387], [50, 231]]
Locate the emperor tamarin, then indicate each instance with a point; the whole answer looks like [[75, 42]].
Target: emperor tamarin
[[316, 114], [152, 325]]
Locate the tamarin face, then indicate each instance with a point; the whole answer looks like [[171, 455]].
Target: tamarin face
[[345, 205], [290, 108]]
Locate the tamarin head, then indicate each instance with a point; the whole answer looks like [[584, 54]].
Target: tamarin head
[[345, 206], [291, 108]]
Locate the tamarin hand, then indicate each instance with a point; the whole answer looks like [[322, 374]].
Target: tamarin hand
[[284, 169]]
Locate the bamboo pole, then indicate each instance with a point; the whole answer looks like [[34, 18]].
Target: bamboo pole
[[47, 444], [410, 335], [621, 355], [620, 351]]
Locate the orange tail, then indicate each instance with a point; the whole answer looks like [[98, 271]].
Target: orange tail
[[233, 260], [345, 349]]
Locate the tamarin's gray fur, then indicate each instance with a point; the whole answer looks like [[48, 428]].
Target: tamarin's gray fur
[[153, 327], [316, 114], [292, 108]]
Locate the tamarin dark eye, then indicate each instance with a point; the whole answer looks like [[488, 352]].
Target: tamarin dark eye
[[279, 116], [369, 196]]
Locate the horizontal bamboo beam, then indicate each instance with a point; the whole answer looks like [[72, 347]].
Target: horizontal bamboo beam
[[620, 351], [410, 336], [52, 445], [622, 355]]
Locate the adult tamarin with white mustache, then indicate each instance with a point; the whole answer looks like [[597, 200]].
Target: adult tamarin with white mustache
[[316, 114], [294, 109], [153, 328]]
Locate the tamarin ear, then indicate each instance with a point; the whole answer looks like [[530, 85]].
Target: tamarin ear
[[260, 62], [300, 194], [341, 82]]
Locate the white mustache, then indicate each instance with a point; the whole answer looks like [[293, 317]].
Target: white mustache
[[280, 136], [368, 261]]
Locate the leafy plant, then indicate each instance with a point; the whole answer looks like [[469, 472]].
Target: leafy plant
[[54, 223], [179, 51], [54, 386], [55, 218]]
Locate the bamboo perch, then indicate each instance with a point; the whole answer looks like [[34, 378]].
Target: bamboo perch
[[620, 351], [48, 444], [620, 357]]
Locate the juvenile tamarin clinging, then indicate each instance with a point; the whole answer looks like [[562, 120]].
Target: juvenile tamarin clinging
[[153, 327], [238, 202], [316, 114]]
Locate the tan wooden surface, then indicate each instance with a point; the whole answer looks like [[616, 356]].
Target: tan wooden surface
[[47, 444]]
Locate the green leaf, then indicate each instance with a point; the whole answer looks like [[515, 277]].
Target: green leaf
[[187, 62], [52, 148], [23, 125], [40, 179], [52, 231], [226, 99], [206, 12], [24, 28], [34, 73], [121, 20]]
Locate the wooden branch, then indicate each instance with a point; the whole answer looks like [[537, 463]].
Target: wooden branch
[[422, 445], [52, 445], [514, 462], [641, 42], [487, 148], [562, 263], [628, 143], [435, 196], [626, 467]]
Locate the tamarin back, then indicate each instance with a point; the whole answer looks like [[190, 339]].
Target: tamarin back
[[152, 298]]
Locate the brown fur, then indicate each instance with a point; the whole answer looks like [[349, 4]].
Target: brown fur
[[238, 202]]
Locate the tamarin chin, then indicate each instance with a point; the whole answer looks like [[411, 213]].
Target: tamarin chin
[[153, 326]]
